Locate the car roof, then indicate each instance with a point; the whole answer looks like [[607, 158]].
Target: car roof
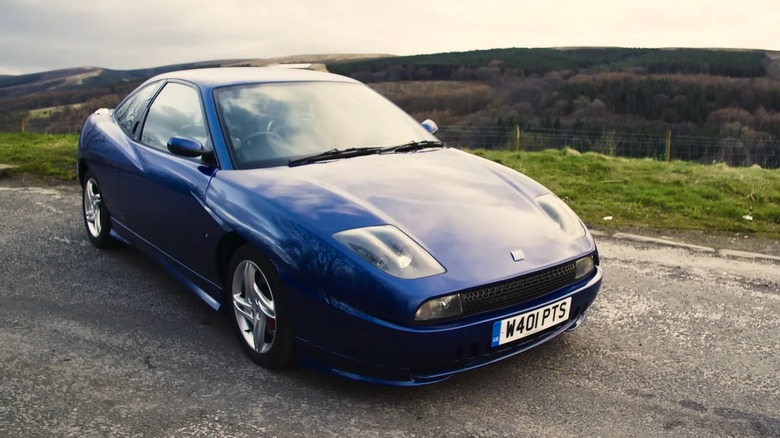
[[207, 78]]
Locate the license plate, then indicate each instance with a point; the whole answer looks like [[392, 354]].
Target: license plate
[[526, 324]]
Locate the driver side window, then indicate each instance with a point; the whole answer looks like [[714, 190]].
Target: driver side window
[[127, 113], [176, 112]]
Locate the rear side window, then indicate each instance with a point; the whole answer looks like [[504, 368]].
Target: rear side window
[[175, 112], [127, 113]]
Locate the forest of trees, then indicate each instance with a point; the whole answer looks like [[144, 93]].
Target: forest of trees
[[687, 91]]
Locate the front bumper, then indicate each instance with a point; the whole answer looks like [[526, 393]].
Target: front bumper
[[360, 347]]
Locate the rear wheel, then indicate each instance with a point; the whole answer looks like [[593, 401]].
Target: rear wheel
[[96, 218], [259, 309]]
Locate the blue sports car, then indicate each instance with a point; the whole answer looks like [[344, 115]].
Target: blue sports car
[[335, 230]]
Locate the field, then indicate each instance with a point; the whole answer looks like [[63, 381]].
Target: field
[[635, 193]]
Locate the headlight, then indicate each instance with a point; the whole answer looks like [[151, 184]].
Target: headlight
[[390, 250], [561, 214], [585, 266], [437, 308]]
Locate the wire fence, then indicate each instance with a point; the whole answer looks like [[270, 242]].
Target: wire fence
[[701, 149], [42, 126]]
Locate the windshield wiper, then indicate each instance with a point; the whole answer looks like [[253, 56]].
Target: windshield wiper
[[414, 146], [334, 154]]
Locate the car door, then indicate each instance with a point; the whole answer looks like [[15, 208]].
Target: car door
[[165, 192]]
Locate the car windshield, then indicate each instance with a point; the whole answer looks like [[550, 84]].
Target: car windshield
[[272, 124]]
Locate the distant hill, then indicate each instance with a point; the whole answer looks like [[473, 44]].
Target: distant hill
[[66, 96], [688, 91], [743, 63], [95, 77]]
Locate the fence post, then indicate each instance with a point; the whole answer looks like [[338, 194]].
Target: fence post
[[668, 145], [517, 138], [21, 124]]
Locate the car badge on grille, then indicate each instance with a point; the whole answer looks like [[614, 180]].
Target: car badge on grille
[[517, 255]]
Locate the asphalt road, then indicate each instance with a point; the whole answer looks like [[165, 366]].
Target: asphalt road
[[105, 343]]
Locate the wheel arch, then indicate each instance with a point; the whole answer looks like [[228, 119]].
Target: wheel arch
[[81, 169], [228, 246]]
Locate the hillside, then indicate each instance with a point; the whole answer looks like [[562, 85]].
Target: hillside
[[731, 93]]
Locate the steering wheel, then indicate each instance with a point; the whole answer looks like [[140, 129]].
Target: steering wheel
[[271, 139]]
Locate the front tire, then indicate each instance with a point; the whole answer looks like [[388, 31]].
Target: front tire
[[259, 309], [96, 217]]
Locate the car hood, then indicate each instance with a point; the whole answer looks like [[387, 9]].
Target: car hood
[[467, 212]]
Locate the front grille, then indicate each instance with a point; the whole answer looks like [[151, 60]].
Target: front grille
[[518, 290]]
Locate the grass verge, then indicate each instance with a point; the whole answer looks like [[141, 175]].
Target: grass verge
[[636, 193], [41, 156]]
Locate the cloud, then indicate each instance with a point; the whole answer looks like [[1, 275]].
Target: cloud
[[38, 35]]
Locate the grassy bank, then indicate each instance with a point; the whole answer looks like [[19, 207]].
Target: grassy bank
[[636, 193], [40, 156], [645, 193]]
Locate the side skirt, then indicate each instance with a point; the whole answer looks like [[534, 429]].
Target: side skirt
[[209, 292]]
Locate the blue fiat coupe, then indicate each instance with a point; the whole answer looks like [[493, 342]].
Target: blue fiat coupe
[[332, 228]]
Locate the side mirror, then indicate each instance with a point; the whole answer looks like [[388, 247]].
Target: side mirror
[[185, 147], [430, 126]]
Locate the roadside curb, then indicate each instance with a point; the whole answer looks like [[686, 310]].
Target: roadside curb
[[747, 255], [5, 167], [638, 238], [697, 248]]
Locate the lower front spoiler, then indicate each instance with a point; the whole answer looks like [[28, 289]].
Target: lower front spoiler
[[412, 357], [578, 322], [315, 357]]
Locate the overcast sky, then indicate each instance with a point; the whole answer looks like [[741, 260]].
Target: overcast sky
[[39, 35]]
